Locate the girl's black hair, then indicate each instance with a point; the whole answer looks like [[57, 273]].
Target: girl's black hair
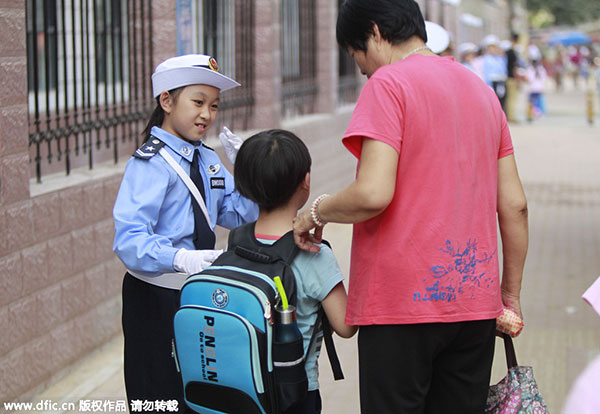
[[270, 166], [397, 20], [158, 115]]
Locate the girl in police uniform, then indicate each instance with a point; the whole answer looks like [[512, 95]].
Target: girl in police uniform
[[161, 233]]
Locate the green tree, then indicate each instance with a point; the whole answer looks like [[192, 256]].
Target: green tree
[[566, 12]]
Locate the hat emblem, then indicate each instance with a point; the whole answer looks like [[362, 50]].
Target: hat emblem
[[212, 64]]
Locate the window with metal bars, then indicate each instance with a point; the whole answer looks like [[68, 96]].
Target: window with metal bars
[[222, 29], [348, 80], [298, 57], [89, 65]]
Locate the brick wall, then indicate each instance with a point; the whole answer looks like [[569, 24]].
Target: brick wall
[[60, 281]]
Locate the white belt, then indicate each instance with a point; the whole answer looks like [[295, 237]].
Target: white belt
[[167, 280]]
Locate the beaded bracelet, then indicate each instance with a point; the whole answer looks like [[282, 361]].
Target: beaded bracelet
[[314, 212]]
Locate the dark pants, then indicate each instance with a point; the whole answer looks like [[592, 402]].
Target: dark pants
[[499, 88], [150, 373], [425, 368], [310, 405]]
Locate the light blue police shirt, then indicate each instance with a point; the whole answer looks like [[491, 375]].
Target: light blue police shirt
[[494, 68], [153, 212]]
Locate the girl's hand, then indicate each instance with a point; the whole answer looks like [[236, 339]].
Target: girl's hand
[[305, 240], [194, 261]]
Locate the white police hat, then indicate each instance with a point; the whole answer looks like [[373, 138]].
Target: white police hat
[[505, 45], [490, 40], [467, 47], [438, 38], [185, 70]]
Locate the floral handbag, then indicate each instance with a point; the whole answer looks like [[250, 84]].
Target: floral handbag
[[518, 392]]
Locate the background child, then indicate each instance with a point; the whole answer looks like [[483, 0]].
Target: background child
[[273, 169], [536, 76], [161, 233]]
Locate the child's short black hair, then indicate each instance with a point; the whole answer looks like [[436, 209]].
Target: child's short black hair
[[270, 166], [397, 20]]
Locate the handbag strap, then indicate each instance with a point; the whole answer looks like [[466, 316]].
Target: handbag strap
[[509, 348]]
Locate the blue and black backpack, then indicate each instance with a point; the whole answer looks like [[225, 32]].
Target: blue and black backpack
[[223, 344]]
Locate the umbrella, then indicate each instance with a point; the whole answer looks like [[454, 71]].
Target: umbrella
[[569, 38]]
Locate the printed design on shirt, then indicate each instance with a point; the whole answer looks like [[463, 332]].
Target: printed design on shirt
[[462, 272]]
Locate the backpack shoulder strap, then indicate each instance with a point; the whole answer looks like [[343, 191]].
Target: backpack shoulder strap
[[276, 257], [286, 247], [240, 236], [322, 323], [283, 249]]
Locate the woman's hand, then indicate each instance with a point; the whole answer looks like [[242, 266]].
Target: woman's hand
[[305, 240], [512, 302]]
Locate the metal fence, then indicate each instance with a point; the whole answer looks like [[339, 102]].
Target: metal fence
[[89, 64], [225, 31], [298, 61]]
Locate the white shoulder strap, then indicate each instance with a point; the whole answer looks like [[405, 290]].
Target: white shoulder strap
[[187, 180]]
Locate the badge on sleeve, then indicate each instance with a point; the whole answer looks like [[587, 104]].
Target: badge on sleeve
[[217, 182], [149, 149], [213, 169]]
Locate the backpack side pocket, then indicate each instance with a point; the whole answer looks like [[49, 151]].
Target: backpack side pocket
[[291, 382]]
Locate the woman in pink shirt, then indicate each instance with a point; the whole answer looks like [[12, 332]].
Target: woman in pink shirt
[[435, 172]]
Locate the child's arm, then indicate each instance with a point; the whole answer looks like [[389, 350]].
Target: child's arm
[[335, 308]]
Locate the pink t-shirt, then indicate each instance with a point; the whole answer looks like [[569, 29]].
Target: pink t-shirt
[[432, 255]]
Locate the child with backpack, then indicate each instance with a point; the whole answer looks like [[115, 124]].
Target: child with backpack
[[174, 191], [273, 169]]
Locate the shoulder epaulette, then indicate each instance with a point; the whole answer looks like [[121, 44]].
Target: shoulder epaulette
[[206, 146], [149, 149]]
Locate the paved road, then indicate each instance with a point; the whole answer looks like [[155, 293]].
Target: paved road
[[559, 162]]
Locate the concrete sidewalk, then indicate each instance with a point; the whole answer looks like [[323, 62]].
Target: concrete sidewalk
[[559, 162]]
